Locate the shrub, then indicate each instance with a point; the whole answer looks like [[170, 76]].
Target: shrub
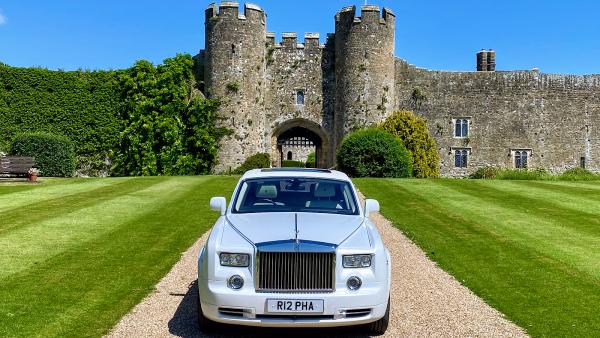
[[511, 174], [578, 174], [256, 161], [489, 173], [292, 164], [524, 174], [311, 160], [373, 152], [413, 133], [54, 154]]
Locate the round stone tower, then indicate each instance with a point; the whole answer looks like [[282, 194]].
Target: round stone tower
[[364, 68], [235, 75]]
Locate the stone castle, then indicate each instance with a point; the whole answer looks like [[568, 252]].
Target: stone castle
[[277, 95]]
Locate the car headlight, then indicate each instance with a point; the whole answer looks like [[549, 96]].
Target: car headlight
[[356, 261], [234, 259]]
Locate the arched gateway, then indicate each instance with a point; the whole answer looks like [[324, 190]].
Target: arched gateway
[[300, 133]]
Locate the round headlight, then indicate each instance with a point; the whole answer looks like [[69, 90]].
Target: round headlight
[[354, 283], [235, 282]]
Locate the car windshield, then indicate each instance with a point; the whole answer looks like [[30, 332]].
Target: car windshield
[[292, 194]]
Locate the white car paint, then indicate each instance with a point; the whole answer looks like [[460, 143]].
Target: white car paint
[[240, 233]]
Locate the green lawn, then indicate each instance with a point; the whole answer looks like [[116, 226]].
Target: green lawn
[[76, 255], [531, 249]]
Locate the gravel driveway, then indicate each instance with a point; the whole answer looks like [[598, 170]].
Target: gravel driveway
[[426, 301]]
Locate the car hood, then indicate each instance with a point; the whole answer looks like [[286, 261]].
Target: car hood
[[317, 227]]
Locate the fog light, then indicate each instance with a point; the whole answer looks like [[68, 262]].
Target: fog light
[[235, 282], [353, 283]]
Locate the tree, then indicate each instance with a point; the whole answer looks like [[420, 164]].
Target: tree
[[415, 136], [165, 131]]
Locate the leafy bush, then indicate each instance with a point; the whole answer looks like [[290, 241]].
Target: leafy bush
[[256, 161], [524, 174], [512, 174], [311, 160], [373, 152], [292, 164], [489, 173], [54, 154], [578, 174], [413, 133], [81, 105], [166, 130]]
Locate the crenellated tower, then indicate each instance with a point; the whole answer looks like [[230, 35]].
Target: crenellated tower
[[235, 75], [364, 68]]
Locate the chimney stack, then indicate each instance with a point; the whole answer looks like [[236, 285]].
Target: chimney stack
[[486, 60]]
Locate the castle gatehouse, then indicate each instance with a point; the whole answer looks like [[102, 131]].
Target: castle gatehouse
[[296, 95]]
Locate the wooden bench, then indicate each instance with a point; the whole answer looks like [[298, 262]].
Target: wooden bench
[[16, 166]]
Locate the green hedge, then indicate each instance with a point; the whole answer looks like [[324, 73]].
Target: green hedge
[[81, 105], [256, 161], [54, 154], [373, 152], [145, 120], [575, 174], [292, 164]]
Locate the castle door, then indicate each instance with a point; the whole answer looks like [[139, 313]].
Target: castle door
[[302, 138]]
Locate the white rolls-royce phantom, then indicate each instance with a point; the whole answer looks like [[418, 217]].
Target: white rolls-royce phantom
[[294, 248]]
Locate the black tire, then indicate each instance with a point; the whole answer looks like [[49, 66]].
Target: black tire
[[379, 327], [206, 325]]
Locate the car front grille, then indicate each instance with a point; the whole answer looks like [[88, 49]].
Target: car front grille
[[295, 271]]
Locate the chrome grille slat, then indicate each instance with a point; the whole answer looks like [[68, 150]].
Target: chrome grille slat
[[295, 271]]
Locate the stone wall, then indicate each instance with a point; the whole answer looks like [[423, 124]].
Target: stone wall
[[555, 117], [294, 67], [354, 80], [364, 67], [235, 74]]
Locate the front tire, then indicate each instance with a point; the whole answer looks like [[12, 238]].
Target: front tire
[[206, 325], [379, 327]]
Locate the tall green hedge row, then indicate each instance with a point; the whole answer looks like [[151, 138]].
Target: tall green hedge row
[[81, 105], [145, 120]]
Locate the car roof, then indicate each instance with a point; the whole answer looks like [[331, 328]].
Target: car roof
[[296, 172]]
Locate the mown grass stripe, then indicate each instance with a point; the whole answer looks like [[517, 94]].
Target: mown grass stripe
[[542, 294], [70, 201], [21, 196], [576, 213], [76, 222], [101, 280], [548, 229]]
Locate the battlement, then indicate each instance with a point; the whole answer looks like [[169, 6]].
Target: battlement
[[231, 10], [290, 40], [368, 14]]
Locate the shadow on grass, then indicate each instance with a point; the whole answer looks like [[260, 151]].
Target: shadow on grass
[[184, 324]]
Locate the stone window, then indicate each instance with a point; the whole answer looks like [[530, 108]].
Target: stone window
[[461, 158], [521, 157], [300, 97], [461, 128]]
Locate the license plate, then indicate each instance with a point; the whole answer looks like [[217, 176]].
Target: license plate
[[295, 305]]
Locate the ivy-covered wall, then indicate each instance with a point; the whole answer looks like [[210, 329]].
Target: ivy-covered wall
[[81, 105]]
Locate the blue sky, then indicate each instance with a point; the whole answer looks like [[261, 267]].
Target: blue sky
[[555, 36]]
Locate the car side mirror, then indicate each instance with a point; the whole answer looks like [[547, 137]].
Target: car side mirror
[[218, 204], [371, 206]]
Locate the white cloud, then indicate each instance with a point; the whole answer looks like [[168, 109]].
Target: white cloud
[[2, 18]]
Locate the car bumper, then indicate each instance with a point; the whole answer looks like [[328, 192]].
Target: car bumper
[[247, 307]]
